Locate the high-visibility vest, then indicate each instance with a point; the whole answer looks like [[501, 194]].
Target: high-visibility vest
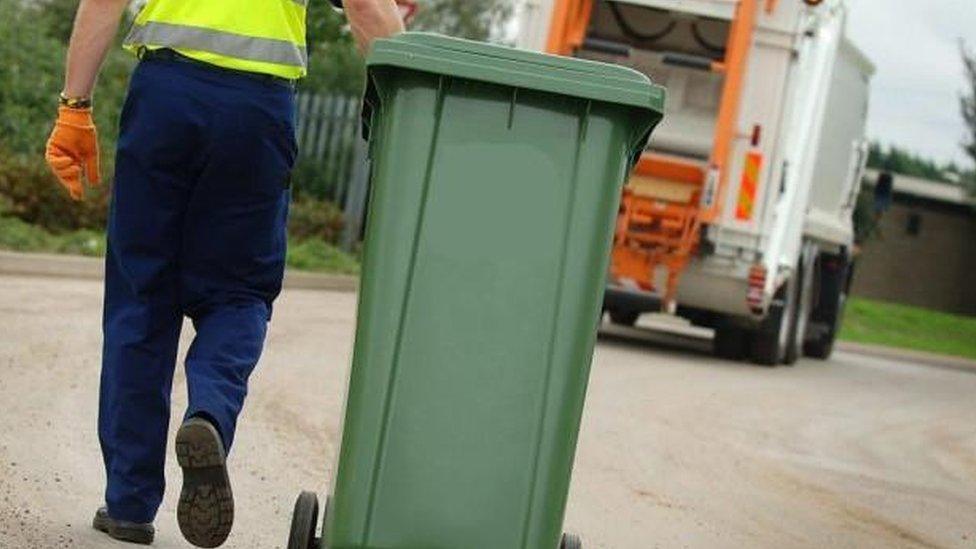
[[263, 36]]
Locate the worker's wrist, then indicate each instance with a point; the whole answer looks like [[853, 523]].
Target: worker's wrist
[[74, 101], [72, 116]]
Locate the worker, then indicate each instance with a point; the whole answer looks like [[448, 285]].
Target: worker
[[196, 229]]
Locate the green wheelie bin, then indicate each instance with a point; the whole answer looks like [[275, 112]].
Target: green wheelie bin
[[496, 178]]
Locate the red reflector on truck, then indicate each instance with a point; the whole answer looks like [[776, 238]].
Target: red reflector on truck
[[757, 284]]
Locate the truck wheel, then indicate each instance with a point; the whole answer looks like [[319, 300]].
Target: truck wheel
[[804, 303], [304, 519], [624, 317], [571, 541], [834, 272], [822, 346], [769, 342], [731, 342]]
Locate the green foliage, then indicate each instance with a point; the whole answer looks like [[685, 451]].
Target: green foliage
[[18, 235], [483, 20], [31, 193], [310, 254], [31, 67], [315, 219], [334, 63], [967, 104], [57, 17], [319, 256], [898, 160], [878, 323], [21, 236]]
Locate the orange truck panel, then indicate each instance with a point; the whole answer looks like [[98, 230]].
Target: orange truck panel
[[568, 29]]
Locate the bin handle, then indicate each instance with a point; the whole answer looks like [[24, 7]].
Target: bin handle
[[371, 102], [641, 138]]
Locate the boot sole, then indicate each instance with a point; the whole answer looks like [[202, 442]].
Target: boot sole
[[206, 509]]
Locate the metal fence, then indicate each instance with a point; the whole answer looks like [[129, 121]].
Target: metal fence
[[332, 157]]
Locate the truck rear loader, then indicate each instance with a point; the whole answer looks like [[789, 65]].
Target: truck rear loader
[[739, 215]]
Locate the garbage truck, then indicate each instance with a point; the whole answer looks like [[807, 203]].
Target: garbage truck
[[739, 214]]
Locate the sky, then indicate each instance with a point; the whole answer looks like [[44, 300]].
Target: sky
[[915, 92]]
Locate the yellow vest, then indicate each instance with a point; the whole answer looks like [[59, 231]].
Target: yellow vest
[[263, 36]]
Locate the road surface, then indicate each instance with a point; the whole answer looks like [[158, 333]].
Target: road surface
[[677, 449]]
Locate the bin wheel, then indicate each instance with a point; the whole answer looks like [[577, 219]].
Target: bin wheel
[[571, 541], [304, 519]]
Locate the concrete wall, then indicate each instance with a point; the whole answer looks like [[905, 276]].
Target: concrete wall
[[935, 268]]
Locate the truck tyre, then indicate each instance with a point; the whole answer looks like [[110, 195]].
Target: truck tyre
[[769, 342], [820, 347], [804, 303], [731, 342], [624, 317], [304, 520], [834, 272]]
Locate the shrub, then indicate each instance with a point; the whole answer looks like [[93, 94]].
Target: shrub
[[32, 194], [19, 235], [315, 219]]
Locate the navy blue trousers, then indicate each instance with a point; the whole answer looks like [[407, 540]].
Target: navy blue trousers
[[196, 229]]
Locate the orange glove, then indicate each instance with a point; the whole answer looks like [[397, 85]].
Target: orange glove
[[73, 147]]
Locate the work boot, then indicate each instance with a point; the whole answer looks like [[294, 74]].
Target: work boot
[[206, 509], [132, 532]]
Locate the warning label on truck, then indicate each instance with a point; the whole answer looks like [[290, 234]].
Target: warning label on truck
[[747, 188]]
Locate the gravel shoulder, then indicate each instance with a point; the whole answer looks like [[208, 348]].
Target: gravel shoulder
[[677, 449]]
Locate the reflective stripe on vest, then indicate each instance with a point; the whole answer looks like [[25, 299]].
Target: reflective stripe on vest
[[265, 36], [266, 50]]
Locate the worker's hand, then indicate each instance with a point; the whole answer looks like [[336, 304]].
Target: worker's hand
[[372, 19], [73, 149]]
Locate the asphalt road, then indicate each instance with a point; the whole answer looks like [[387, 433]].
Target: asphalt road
[[677, 449]]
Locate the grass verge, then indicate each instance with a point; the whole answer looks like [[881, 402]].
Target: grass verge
[[320, 256], [902, 326], [307, 255], [20, 236]]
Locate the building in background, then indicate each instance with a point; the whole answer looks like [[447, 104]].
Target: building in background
[[923, 252]]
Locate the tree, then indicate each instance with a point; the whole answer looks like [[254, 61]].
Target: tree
[[968, 105], [482, 20], [334, 63], [902, 161]]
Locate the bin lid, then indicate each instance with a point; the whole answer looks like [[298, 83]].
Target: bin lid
[[434, 53]]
